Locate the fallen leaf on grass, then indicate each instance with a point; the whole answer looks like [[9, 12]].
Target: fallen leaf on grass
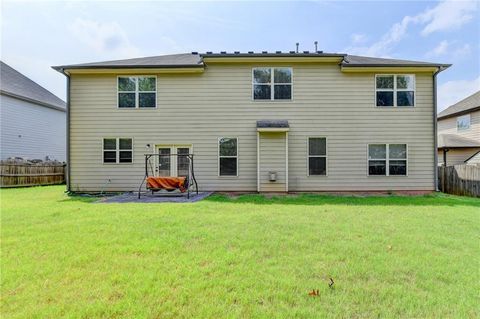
[[314, 293]]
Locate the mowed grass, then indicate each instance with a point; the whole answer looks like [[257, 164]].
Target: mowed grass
[[245, 257]]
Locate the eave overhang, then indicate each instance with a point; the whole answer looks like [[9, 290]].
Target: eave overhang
[[392, 69], [26, 99], [459, 113], [273, 126], [273, 129], [456, 146], [130, 69]]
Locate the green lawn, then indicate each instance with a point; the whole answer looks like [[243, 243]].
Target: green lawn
[[249, 257]]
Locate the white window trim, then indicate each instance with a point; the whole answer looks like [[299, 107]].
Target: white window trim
[[272, 84], [308, 156], [137, 92], [395, 90], [116, 150], [218, 158], [387, 160], [469, 122]]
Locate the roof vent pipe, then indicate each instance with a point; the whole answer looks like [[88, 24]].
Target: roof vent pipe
[[316, 46], [297, 44]]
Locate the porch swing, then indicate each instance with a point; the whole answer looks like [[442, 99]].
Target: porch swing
[[153, 183]]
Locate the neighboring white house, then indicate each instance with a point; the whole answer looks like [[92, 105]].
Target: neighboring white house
[[459, 132], [33, 120]]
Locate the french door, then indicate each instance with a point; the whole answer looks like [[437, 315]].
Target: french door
[[169, 164]]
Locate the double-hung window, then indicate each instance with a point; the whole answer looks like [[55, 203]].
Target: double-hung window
[[117, 150], [463, 122], [137, 91], [394, 90], [272, 83], [227, 156], [387, 159], [317, 156]]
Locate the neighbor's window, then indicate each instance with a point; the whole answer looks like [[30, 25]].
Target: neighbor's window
[[272, 83], [317, 156], [395, 90], [137, 91], [463, 122], [228, 156], [387, 159], [117, 150]]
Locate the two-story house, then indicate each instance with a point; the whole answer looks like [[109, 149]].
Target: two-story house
[[459, 132], [267, 122]]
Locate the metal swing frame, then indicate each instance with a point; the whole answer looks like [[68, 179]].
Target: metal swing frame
[[190, 179]]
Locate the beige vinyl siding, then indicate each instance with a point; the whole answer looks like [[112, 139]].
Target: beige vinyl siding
[[449, 126], [272, 159], [197, 109], [457, 156]]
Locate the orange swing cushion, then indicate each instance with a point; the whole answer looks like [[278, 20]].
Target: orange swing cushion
[[168, 183]]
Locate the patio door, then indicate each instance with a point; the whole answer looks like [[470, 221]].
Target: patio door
[[169, 164]]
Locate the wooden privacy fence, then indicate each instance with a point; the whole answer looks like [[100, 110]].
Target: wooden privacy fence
[[460, 180], [21, 174]]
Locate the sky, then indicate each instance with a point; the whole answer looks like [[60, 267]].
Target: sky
[[36, 35]]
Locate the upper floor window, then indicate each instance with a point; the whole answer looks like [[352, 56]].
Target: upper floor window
[[137, 91], [272, 83], [395, 90], [227, 156], [463, 122], [387, 159], [117, 150]]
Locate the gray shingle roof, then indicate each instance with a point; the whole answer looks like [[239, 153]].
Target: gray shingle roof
[[355, 60], [195, 59], [456, 141], [272, 124], [161, 61], [15, 84], [466, 105]]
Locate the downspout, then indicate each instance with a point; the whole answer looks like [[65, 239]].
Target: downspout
[[68, 133], [435, 131]]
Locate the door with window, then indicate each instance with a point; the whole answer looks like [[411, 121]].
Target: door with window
[[173, 160]]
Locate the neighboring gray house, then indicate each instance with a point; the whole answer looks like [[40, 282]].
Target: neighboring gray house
[[459, 132], [33, 120], [266, 122]]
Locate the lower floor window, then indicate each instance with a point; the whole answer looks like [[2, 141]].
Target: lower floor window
[[317, 156], [227, 156], [387, 159], [117, 150]]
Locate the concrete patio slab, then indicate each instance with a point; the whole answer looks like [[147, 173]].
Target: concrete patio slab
[[132, 197]]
